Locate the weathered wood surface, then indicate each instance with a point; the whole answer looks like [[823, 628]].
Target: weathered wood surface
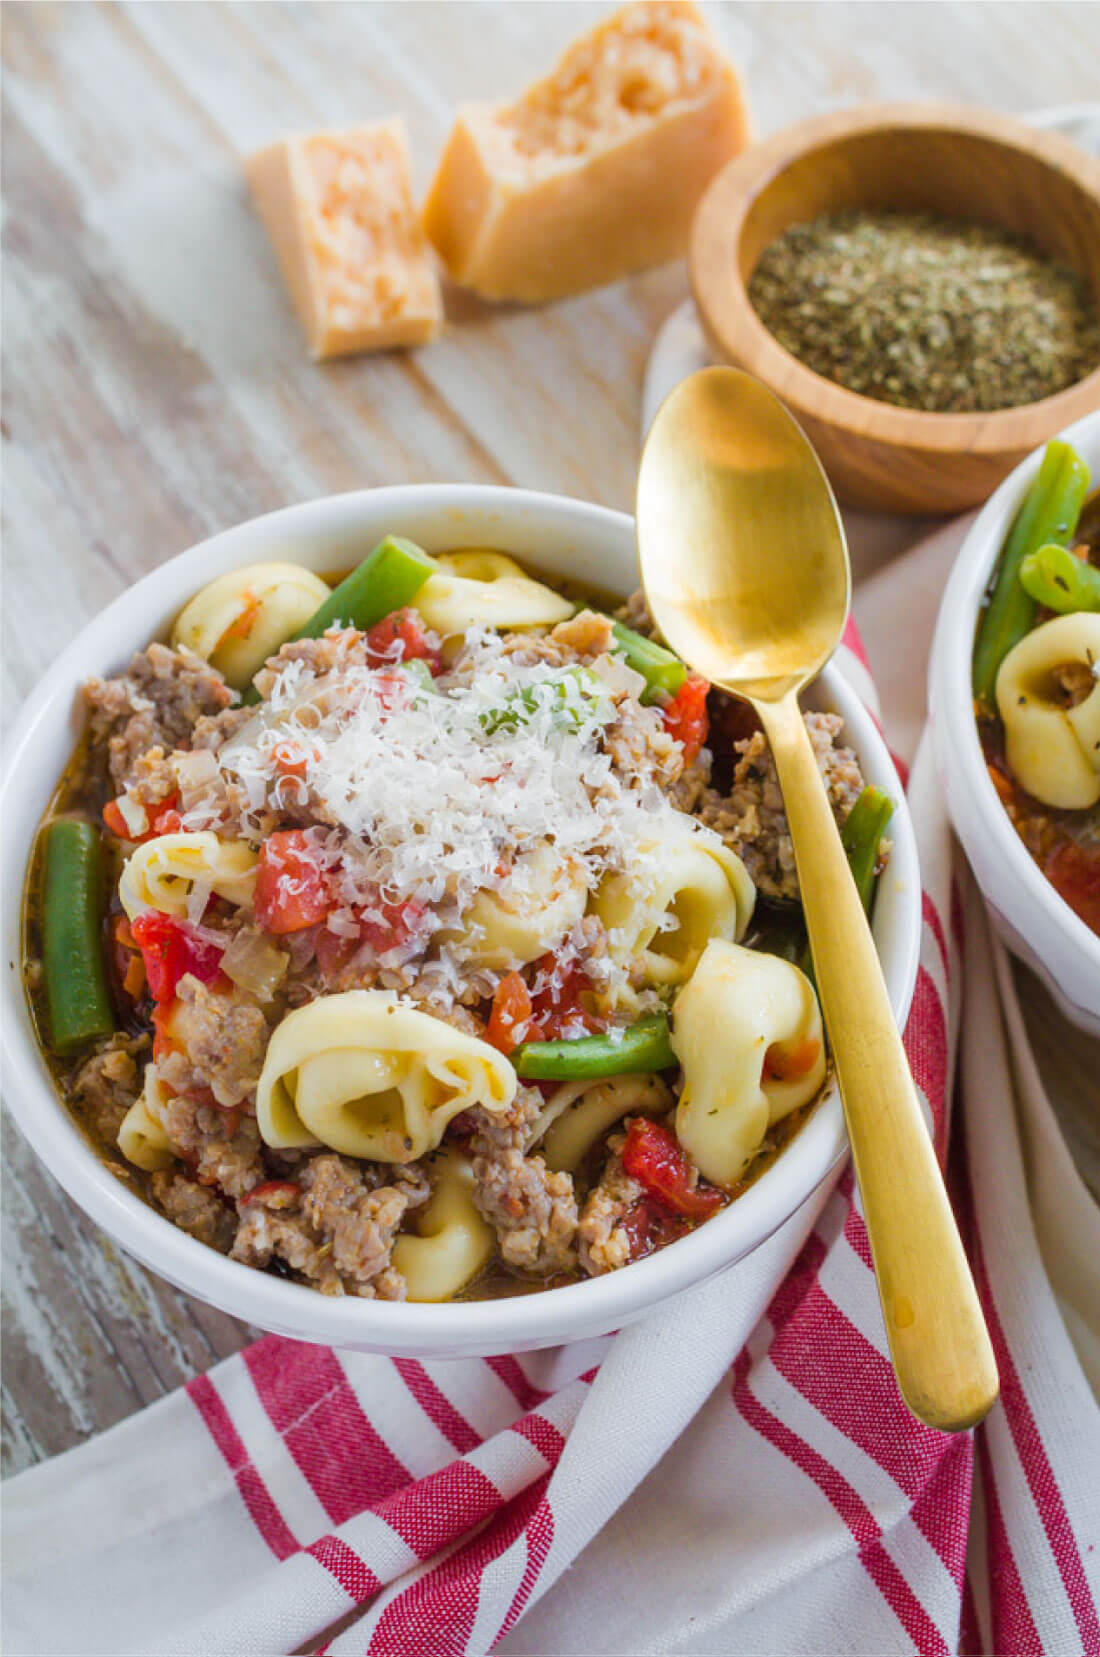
[[156, 390]]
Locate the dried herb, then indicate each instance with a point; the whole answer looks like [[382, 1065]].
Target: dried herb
[[928, 313]]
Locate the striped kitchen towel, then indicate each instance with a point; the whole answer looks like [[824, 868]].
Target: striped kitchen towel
[[737, 1473]]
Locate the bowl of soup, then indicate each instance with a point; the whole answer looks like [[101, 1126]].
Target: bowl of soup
[[1015, 702], [375, 883]]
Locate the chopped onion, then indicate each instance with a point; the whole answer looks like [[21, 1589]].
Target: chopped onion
[[254, 963]]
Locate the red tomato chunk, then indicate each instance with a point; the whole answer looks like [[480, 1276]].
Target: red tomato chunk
[[1074, 872], [401, 637], [170, 950], [163, 819], [652, 1155], [291, 890], [686, 716]]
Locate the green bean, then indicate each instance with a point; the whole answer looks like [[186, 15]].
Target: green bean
[[1054, 577], [642, 1048], [1050, 512], [862, 835], [77, 998], [388, 578], [861, 838], [661, 670]]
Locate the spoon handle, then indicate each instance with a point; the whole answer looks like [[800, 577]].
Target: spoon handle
[[938, 1340]]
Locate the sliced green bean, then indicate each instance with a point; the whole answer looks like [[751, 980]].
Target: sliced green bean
[[861, 838], [77, 998], [639, 1050], [661, 670], [388, 578], [1054, 577], [1050, 512]]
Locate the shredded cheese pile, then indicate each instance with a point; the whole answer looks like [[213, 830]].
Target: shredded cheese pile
[[432, 793]]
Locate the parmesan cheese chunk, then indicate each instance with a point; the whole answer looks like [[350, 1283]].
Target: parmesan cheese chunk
[[595, 171], [338, 208]]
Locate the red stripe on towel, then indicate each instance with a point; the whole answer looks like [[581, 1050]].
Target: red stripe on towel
[[257, 1498], [437, 1406], [310, 1402]]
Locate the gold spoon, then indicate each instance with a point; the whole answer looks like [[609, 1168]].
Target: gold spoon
[[746, 571]]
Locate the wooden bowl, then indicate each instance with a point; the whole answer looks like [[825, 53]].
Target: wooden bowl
[[941, 158]]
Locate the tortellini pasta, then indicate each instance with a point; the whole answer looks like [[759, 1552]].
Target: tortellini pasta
[[242, 618], [1053, 751], [163, 873], [451, 1241], [682, 890], [486, 589], [747, 1032], [539, 901], [578, 1115], [142, 1138], [373, 1077]]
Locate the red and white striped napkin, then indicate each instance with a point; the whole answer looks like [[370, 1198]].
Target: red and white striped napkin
[[737, 1473]]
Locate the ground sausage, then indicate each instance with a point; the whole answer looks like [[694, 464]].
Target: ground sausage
[[155, 703]]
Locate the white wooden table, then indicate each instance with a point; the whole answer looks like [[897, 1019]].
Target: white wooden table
[[156, 390]]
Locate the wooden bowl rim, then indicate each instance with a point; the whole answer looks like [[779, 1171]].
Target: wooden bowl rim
[[728, 315]]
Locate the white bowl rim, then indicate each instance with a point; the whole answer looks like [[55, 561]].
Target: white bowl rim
[[516, 1322], [1042, 920]]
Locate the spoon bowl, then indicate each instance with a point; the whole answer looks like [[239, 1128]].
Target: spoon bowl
[[746, 571], [730, 454]]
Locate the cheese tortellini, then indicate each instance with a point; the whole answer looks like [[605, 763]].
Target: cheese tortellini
[[373, 1077], [577, 1115], [242, 618], [486, 589], [681, 891], [538, 903], [164, 872], [747, 1032], [1053, 751], [450, 1242], [142, 1138]]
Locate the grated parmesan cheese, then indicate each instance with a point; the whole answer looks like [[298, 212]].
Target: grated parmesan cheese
[[428, 796]]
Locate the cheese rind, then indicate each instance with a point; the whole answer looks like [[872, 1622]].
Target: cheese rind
[[339, 211], [595, 171]]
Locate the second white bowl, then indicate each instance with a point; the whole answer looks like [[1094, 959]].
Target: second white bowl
[[1035, 923]]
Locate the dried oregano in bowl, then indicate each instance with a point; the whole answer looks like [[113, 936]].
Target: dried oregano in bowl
[[926, 312]]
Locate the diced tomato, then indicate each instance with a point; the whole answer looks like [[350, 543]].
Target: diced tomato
[[163, 818], [291, 890], [170, 950], [277, 1193], [782, 1065], [510, 1018], [403, 628], [115, 821], [653, 1156], [686, 716], [560, 1006], [390, 924], [1074, 872]]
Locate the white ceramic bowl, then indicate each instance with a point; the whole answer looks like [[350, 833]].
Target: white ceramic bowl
[[554, 535], [1035, 923]]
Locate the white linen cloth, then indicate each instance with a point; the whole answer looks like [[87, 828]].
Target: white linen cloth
[[736, 1473]]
